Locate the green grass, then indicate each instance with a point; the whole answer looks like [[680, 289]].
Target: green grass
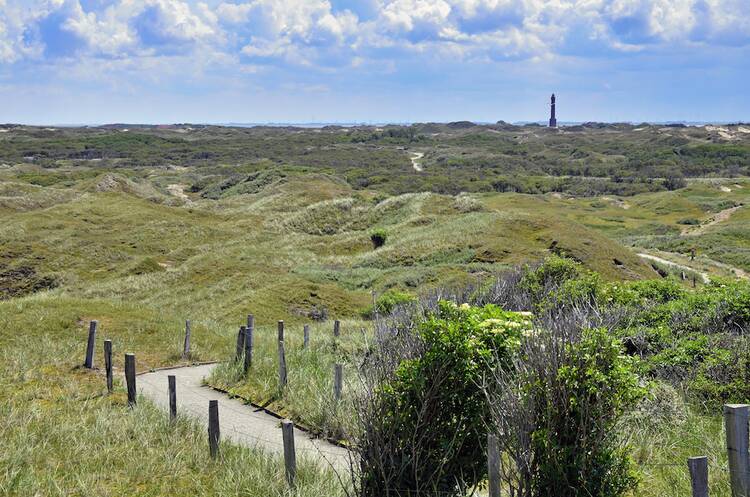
[[308, 397], [287, 239], [661, 454], [62, 435]]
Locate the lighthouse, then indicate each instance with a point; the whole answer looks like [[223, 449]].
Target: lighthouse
[[552, 118]]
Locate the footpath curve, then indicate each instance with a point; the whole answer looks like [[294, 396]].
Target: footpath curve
[[241, 423]]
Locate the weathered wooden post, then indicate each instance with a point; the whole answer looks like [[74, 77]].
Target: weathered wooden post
[[186, 346], [172, 382], [89, 362], [306, 336], [130, 378], [108, 363], [699, 475], [281, 331], [249, 338], [493, 465], [736, 419], [282, 367], [240, 348], [290, 456], [338, 381], [213, 428], [337, 328]]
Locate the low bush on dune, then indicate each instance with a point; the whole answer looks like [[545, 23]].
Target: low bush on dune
[[423, 425]]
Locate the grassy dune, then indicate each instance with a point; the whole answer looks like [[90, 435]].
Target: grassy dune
[[118, 247]]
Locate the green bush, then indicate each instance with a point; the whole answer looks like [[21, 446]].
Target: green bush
[[558, 280], [388, 301], [574, 442], [434, 410], [378, 237]]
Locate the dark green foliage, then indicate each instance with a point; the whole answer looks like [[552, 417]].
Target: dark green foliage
[[433, 408], [378, 237], [575, 444], [585, 161]]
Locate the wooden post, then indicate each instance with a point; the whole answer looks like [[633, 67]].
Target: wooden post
[[290, 457], [249, 332], [281, 331], [89, 362], [282, 367], [736, 419], [213, 428], [699, 475], [338, 381], [130, 378], [493, 465], [108, 363], [172, 397], [306, 336], [186, 346], [240, 343], [337, 328]]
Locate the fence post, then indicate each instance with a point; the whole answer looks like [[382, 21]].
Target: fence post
[[89, 362], [108, 363], [493, 465], [130, 378], [699, 475], [290, 457], [240, 348], [281, 331], [736, 419], [186, 347], [249, 332], [282, 366], [336, 328], [338, 381], [213, 428], [172, 397], [306, 336]]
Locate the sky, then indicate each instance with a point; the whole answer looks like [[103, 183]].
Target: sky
[[373, 61]]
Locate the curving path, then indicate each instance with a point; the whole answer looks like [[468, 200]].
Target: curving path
[[415, 158], [704, 276], [717, 218], [241, 423]]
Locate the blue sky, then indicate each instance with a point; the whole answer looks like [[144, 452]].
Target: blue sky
[[159, 61]]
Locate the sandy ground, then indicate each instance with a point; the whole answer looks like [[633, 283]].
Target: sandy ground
[[241, 423], [704, 276], [416, 156], [178, 191], [716, 219]]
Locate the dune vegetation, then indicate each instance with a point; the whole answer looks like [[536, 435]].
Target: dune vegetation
[[142, 230]]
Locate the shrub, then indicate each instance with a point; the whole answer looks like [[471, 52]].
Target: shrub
[[378, 237], [556, 414], [388, 301], [662, 406], [689, 221], [424, 426]]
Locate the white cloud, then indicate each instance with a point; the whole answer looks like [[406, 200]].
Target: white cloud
[[313, 31]]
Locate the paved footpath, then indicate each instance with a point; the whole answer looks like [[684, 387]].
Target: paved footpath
[[241, 423]]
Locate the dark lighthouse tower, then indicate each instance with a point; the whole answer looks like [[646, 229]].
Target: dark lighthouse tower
[[552, 118]]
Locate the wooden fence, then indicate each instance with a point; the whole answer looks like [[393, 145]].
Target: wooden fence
[[736, 416]]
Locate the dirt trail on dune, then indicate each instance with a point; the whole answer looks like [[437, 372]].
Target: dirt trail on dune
[[178, 191], [416, 157], [716, 219]]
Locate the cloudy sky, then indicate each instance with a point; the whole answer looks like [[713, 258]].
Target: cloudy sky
[[101, 61]]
